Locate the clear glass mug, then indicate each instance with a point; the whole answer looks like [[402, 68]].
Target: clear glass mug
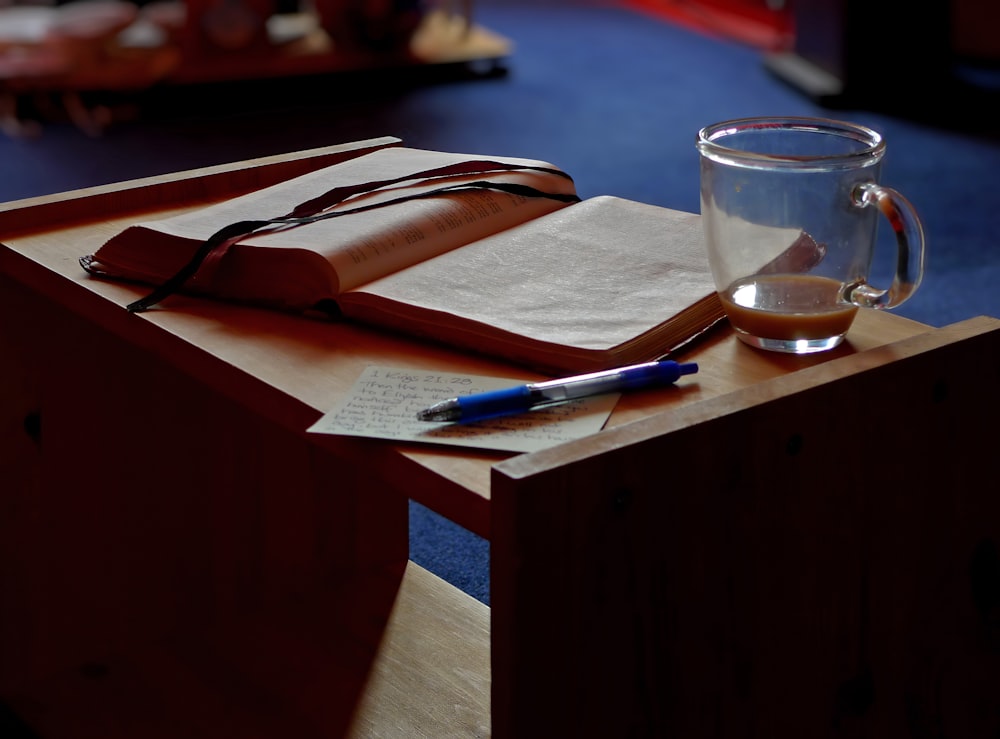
[[790, 214]]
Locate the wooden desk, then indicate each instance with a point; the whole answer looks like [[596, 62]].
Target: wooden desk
[[181, 559]]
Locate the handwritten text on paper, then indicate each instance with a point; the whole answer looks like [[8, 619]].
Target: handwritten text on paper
[[384, 401]]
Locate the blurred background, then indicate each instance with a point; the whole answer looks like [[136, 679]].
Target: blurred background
[[94, 92]]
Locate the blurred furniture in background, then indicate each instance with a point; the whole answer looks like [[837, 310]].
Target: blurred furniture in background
[[64, 51], [886, 55]]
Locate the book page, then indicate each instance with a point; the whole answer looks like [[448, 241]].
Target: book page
[[363, 246], [587, 278], [384, 401]]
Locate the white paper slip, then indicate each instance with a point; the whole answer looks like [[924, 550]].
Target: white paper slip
[[384, 401]]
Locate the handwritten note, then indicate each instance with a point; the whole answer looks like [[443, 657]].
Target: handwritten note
[[384, 401]]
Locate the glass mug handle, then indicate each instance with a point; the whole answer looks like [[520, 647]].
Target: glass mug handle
[[909, 248]]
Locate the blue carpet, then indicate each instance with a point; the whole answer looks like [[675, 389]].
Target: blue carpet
[[613, 96]]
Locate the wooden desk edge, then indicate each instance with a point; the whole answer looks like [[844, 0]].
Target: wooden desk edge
[[223, 180], [784, 385]]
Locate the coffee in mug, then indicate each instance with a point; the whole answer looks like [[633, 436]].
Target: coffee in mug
[[790, 213]]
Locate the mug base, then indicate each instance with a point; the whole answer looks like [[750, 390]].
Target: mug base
[[791, 346]]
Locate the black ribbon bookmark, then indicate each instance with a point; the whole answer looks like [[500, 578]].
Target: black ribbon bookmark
[[317, 209]]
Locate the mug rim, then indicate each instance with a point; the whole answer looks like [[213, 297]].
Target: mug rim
[[710, 137]]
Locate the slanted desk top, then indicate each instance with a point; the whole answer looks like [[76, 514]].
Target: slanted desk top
[[298, 368]]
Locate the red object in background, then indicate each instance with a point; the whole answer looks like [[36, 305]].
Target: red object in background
[[759, 23]]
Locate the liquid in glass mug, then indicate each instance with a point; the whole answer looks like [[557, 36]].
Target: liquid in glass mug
[[790, 213]]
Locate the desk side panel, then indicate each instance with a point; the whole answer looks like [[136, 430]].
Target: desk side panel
[[142, 508], [812, 556]]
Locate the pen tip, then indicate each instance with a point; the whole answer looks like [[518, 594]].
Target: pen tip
[[446, 410]]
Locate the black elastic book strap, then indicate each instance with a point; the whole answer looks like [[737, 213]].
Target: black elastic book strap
[[214, 242], [214, 247], [339, 194]]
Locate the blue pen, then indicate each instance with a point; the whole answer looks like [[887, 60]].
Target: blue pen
[[536, 394]]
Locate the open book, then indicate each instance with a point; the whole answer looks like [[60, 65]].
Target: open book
[[495, 255]]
